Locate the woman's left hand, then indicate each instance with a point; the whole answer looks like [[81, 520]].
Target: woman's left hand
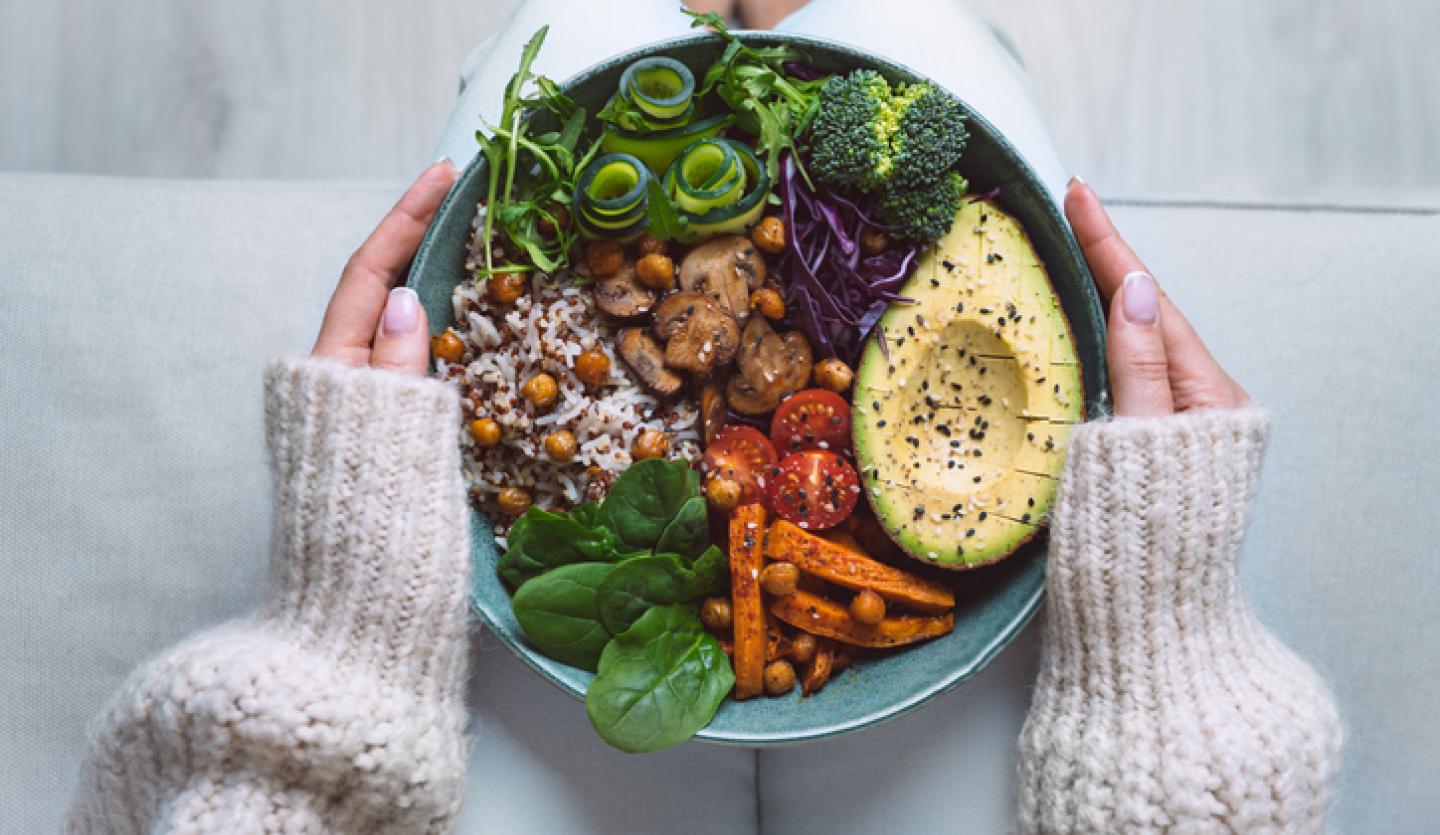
[[1158, 364], [370, 321]]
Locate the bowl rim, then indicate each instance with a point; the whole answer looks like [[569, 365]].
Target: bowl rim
[[1029, 606]]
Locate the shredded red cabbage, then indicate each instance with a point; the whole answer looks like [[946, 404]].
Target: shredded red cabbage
[[836, 295]]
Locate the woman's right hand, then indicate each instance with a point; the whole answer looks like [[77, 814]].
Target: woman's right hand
[[1158, 364]]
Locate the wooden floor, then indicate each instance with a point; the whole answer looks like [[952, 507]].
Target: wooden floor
[[1303, 101]]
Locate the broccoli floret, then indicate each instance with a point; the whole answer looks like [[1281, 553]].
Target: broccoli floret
[[930, 136], [923, 212], [869, 136], [851, 131]]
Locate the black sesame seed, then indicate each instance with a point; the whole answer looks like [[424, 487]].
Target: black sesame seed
[[954, 444], [970, 532], [880, 423], [1032, 502], [977, 479], [983, 515], [1025, 519]]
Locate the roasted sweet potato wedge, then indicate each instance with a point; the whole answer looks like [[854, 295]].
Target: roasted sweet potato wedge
[[747, 535], [844, 567], [829, 619]]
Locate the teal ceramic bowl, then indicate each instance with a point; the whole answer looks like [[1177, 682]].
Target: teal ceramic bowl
[[994, 603]]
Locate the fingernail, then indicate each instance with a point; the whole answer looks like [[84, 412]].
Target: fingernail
[[445, 160], [402, 312], [1138, 300], [1075, 180]]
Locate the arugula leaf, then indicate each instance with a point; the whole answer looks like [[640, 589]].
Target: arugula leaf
[[775, 107], [658, 682], [529, 173], [666, 223], [560, 613]]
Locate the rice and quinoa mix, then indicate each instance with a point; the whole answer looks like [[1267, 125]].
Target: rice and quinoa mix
[[544, 331]]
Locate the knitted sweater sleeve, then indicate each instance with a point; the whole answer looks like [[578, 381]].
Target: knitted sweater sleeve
[[1162, 704], [338, 707]]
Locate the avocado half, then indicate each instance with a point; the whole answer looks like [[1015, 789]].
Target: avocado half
[[961, 420]]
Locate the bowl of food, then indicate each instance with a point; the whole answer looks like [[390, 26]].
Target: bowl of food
[[768, 352]]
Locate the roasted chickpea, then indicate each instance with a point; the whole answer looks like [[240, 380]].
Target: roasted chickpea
[[652, 443], [448, 346], [562, 220], [723, 494], [715, 614], [485, 431], [779, 677], [874, 242], [513, 501], [867, 607], [803, 647], [592, 366], [603, 258], [656, 271], [833, 374], [769, 303], [648, 243], [507, 287], [780, 578], [769, 235], [560, 445], [541, 390]]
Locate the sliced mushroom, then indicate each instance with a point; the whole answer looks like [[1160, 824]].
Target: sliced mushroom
[[713, 412], [726, 269], [770, 366], [622, 295], [699, 333], [643, 355]]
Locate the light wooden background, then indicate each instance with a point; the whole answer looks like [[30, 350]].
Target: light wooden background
[[1334, 101]]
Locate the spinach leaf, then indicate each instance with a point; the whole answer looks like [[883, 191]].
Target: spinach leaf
[[560, 613], [709, 573], [644, 499], [541, 540], [639, 583], [688, 533], [585, 513], [659, 682]]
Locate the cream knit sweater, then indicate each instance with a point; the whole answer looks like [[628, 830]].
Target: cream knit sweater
[[338, 707], [1161, 704]]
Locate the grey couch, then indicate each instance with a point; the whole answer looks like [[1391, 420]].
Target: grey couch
[[135, 317]]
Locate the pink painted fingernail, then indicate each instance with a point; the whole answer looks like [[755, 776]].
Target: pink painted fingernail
[[1138, 299], [402, 312], [1075, 180]]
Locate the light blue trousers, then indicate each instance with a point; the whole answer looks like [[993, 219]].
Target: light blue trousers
[[939, 38]]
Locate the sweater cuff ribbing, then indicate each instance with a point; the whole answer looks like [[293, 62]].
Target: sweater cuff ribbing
[[1151, 512], [370, 555]]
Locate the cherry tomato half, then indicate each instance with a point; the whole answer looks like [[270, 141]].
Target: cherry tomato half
[[744, 456], [812, 419], [815, 489]]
